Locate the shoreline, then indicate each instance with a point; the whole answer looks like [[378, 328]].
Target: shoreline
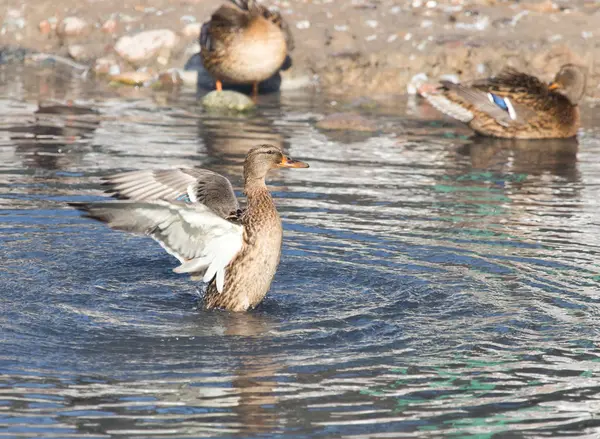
[[358, 48]]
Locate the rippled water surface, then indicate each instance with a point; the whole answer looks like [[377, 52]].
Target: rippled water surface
[[431, 285]]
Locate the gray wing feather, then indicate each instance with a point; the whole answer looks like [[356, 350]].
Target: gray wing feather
[[479, 99], [199, 185]]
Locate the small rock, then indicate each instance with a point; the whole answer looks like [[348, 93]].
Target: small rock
[[145, 45], [192, 30], [227, 100], [187, 19], [106, 66], [544, 7], [346, 122], [45, 27], [77, 52], [109, 26], [71, 27], [138, 78], [303, 24]]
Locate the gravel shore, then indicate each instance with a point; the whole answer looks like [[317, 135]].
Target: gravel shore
[[350, 47]]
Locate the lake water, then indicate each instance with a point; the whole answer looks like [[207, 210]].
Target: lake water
[[431, 285]]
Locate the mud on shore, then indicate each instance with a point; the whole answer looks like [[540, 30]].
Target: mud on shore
[[351, 47]]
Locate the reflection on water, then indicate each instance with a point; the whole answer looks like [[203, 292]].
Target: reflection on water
[[432, 284]]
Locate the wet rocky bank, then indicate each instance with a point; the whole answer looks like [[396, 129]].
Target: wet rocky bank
[[357, 47]]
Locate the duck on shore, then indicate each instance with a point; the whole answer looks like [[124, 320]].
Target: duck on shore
[[244, 43]]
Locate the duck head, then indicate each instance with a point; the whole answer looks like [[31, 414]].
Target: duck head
[[570, 81], [261, 159]]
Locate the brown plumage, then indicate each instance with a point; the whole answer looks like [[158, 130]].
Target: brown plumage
[[516, 105], [244, 43], [195, 216]]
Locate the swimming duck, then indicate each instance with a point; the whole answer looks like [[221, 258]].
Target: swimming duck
[[516, 105], [244, 43], [195, 216]]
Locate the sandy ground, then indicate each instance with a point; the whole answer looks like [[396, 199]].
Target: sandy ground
[[356, 47]]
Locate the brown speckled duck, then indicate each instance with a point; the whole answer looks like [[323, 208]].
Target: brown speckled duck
[[244, 43], [516, 105], [195, 216]]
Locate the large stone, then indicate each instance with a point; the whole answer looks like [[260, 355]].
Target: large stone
[[227, 100], [146, 45]]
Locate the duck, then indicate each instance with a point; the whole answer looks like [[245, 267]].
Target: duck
[[195, 216], [244, 43], [516, 105]]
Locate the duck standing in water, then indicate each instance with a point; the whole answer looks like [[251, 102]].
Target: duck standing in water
[[244, 43], [195, 216], [516, 105]]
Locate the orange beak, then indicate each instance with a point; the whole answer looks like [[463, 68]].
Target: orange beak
[[553, 86], [287, 162]]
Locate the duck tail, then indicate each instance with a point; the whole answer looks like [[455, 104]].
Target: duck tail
[[244, 5]]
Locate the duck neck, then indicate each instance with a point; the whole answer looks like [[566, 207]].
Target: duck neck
[[255, 188]]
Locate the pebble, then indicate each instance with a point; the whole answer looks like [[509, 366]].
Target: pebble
[[146, 45], [192, 30], [137, 78], [187, 19], [109, 26], [227, 100], [106, 66], [303, 24], [346, 122], [480, 24], [77, 52], [71, 27], [45, 27]]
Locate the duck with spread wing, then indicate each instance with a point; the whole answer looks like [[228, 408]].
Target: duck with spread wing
[[195, 216]]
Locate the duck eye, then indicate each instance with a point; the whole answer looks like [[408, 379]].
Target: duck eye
[[270, 152]]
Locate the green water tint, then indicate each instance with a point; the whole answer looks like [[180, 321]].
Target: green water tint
[[499, 422], [487, 177]]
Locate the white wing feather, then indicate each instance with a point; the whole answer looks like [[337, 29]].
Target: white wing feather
[[194, 234], [446, 106]]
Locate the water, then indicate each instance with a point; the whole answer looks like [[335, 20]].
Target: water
[[432, 285]]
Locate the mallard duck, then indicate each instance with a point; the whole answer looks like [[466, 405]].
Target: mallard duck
[[195, 216], [516, 105], [244, 43]]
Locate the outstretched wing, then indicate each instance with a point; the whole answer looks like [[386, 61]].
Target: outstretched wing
[[194, 234], [190, 185]]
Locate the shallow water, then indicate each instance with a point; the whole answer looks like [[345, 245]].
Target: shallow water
[[431, 284]]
